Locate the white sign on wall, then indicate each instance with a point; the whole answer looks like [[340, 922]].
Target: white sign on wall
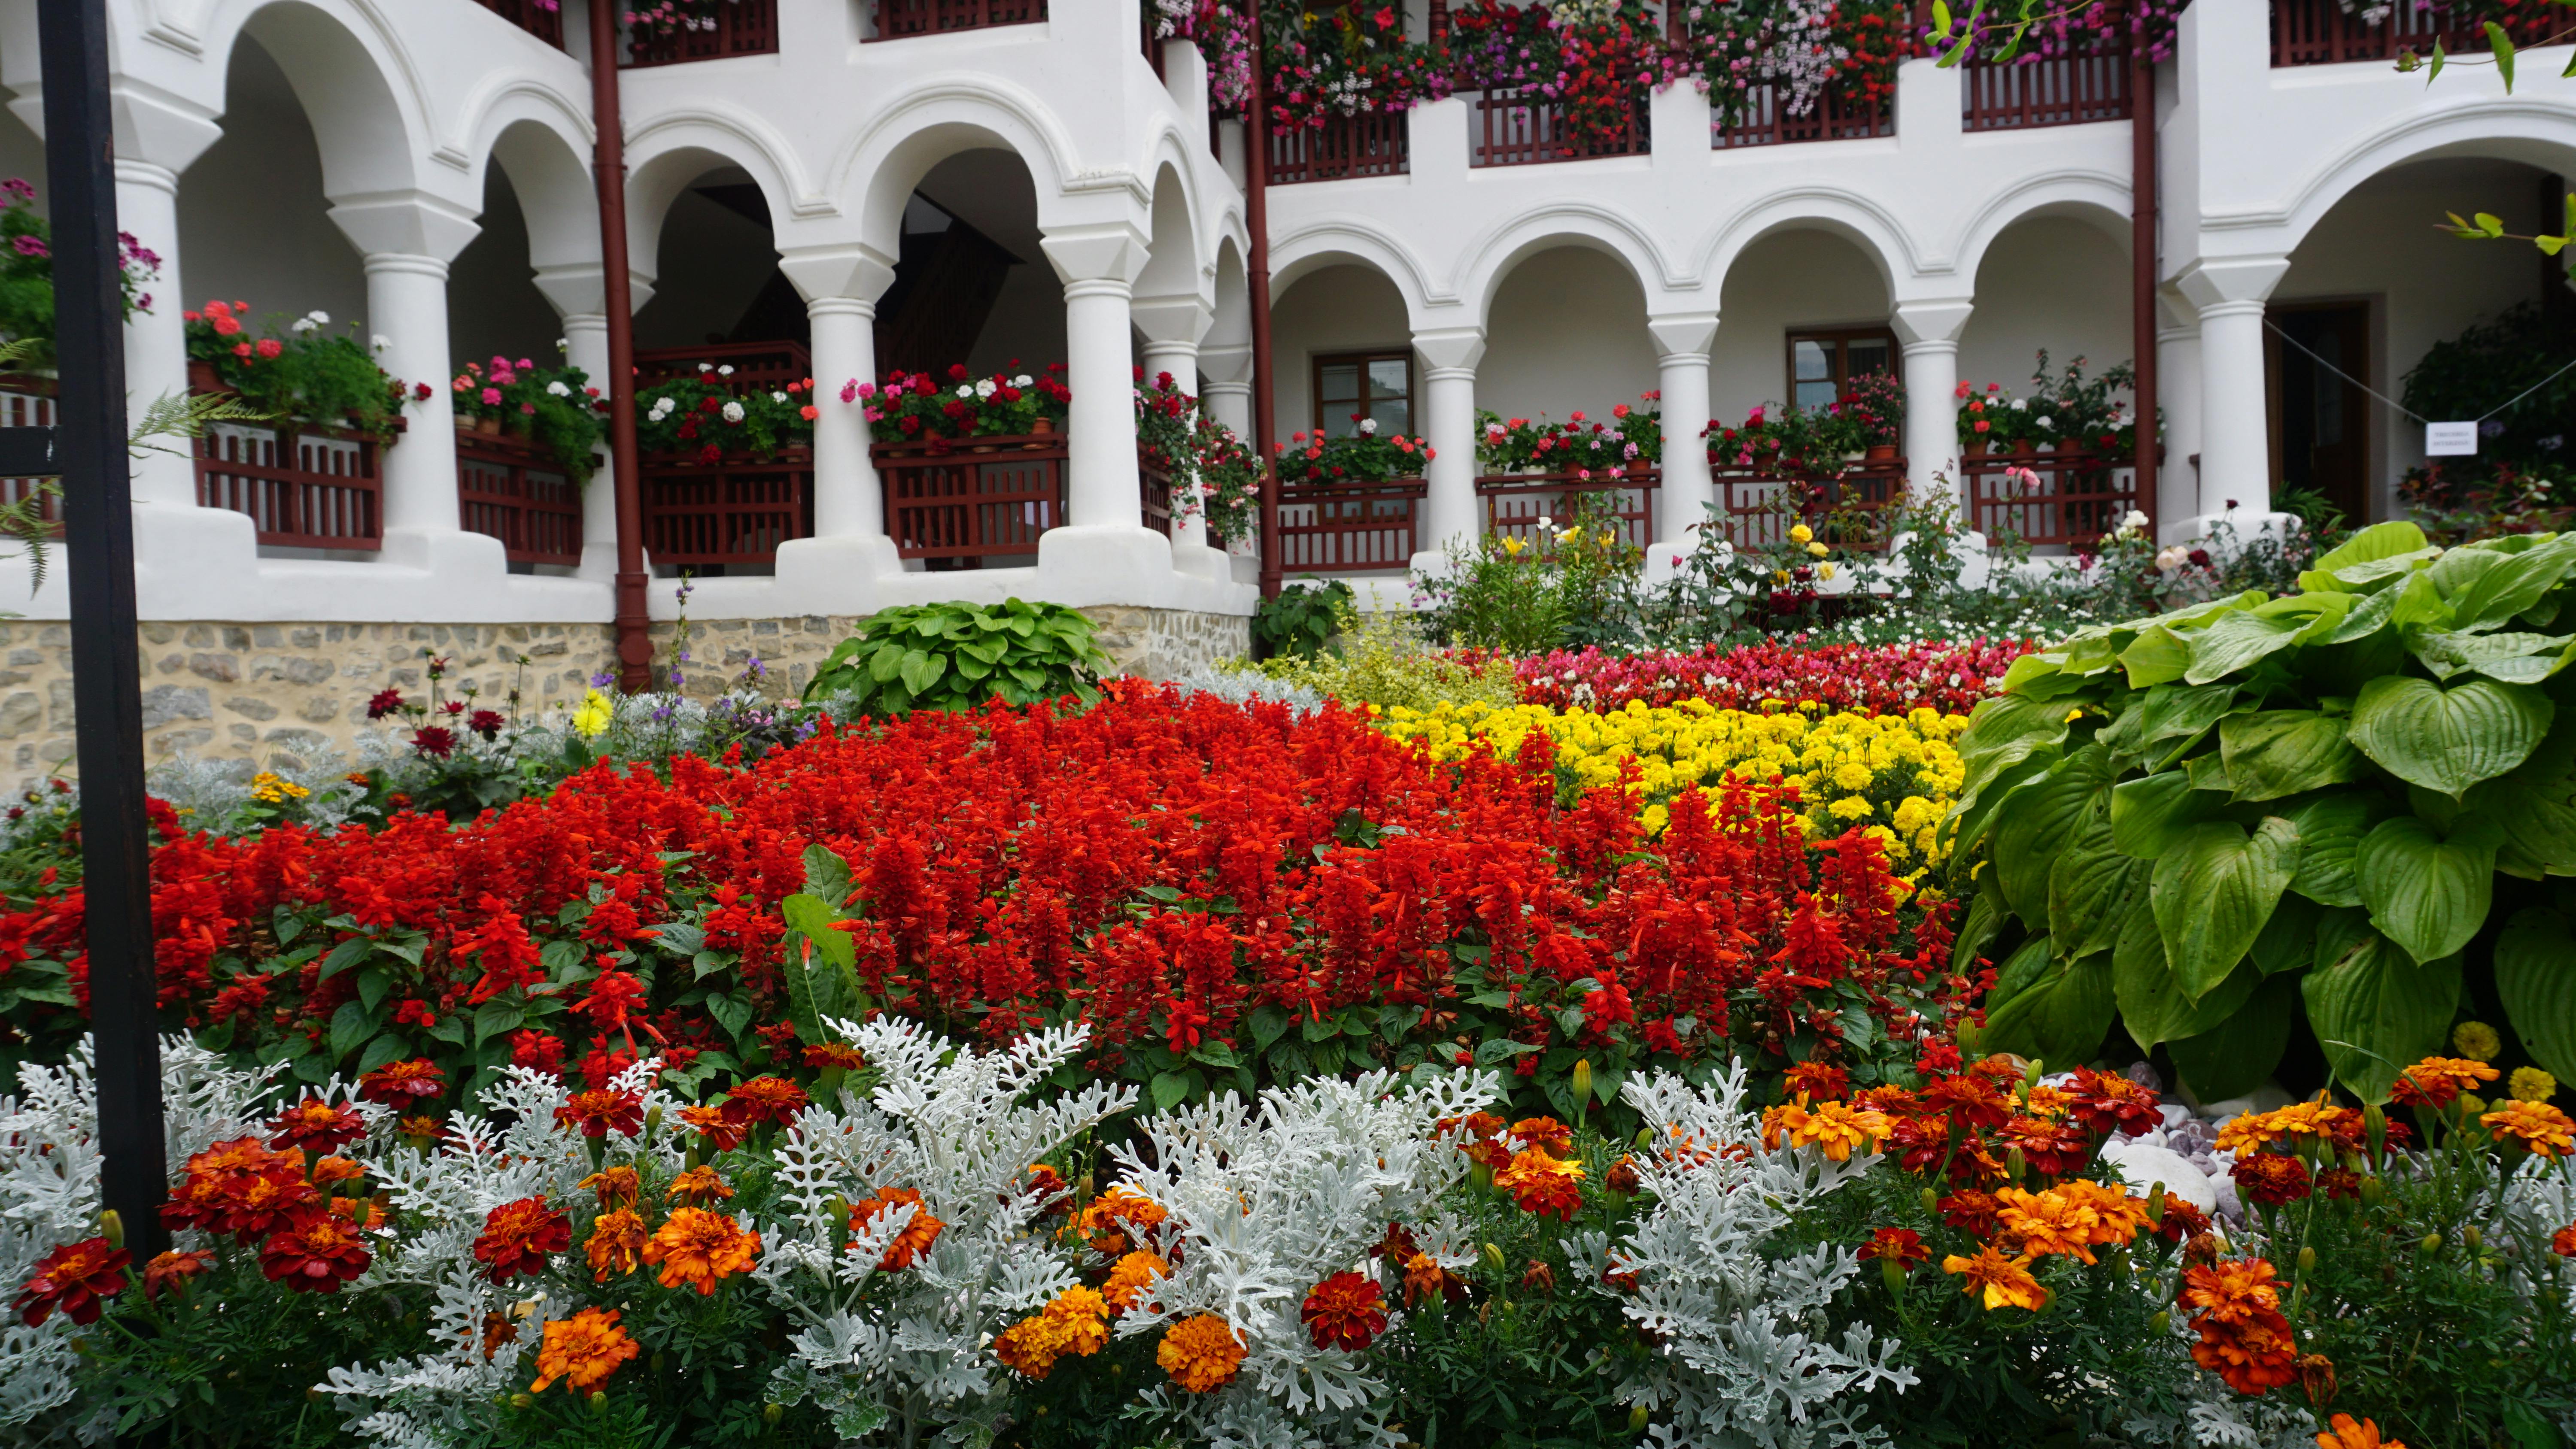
[[2450, 440]]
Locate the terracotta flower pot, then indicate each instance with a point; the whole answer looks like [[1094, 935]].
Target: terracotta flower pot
[[488, 427], [1881, 453]]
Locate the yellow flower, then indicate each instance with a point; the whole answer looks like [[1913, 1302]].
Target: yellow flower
[[2006, 1281], [1513, 544], [2477, 1041], [1801, 534], [582, 1350], [1836, 1128], [2531, 1084], [1818, 550], [591, 720], [2543, 1129], [1201, 1353], [272, 790], [1825, 571], [699, 1249]]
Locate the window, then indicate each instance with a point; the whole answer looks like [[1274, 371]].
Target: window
[[1355, 385], [1823, 364]]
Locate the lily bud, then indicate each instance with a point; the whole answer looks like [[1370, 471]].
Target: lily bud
[[2307, 1260], [1582, 1083], [1494, 1257], [1637, 1419], [111, 1226], [2160, 1323]]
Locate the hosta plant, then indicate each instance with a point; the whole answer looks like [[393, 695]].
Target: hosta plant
[[2210, 821], [958, 656]]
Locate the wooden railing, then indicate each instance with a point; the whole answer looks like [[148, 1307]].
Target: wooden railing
[[2322, 32], [1764, 120], [518, 493], [2048, 497], [897, 19], [737, 511], [1517, 128], [975, 499], [1515, 502], [31, 408], [757, 366], [2064, 90], [1373, 143], [1842, 506], [542, 20], [1349, 528], [1154, 494], [305, 488], [742, 27]]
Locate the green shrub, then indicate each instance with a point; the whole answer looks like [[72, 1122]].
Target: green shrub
[[957, 656], [1383, 661], [1300, 620], [2201, 820]]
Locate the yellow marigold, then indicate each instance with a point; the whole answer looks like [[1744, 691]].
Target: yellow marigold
[[2057, 1221], [1836, 1127], [1133, 1274], [582, 1350], [701, 1248], [2539, 1127], [1200, 1353], [2120, 1217], [271, 789], [2531, 1084], [2006, 1282], [2477, 1041]]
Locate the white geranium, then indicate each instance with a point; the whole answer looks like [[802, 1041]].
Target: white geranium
[[1023, 380], [1368, 427], [558, 388], [725, 371], [2045, 421], [965, 389], [986, 388], [2021, 404], [778, 397], [733, 412]]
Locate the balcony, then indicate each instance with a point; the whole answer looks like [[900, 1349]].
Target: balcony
[[2321, 32], [540, 18], [1518, 128], [510, 489], [1842, 506], [2059, 90], [1349, 527], [28, 402], [735, 27], [898, 19], [303, 487], [1515, 502], [1373, 143], [1764, 119], [2063, 497], [966, 502]]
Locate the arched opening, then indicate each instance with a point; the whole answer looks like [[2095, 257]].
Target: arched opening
[[1566, 343], [494, 308], [1342, 357], [716, 277], [972, 287], [1803, 323], [2375, 293], [254, 220], [2047, 355]]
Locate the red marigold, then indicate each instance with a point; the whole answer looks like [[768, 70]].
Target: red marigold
[[400, 1084], [1819, 1081], [597, 1113], [764, 1099], [173, 1269], [2182, 1222], [1976, 1212], [2563, 1241], [2053, 1149], [315, 1252], [1546, 1133], [2270, 1178], [917, 1235], [723, 1134], [316, 1126], [826, 1055], [77, 1278], [517, 1236], [1970, 1098], [239, 1187], [1346, 1311], [2107, 1102], [1901, 1246], [1543, 1184]]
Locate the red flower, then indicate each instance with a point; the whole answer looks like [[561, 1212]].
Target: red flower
[[172, 1271], [316, 1126], [486, 722], [1976, 1212], [385, 702], [2107, 1102], [517, 1236], [433, 742], [597, 1113], [764, 1099], [1345, 1311], [401, 1084], [76, 1278], [316, 1252], [722, 1133], [1901, 1246], [2271, 1178]]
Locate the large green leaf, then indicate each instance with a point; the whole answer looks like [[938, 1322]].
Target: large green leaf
[[2092, 887], [2170, 716], [2058, 1018], [1976, 813], [2511, 658], [2213, 891], [2368, 545], [2233, 1058], [2514, 585], [2535, 807], [2535, 971], [2239, 639], [819, 964], [2149, 814], [2330, 831], [2044, 815], [2157, 656], [2377, 1011], [2152, 1005], [2281, 752], [2449, 739], [2002, 732], [2427, 893]]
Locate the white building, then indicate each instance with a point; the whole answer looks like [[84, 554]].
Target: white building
[[1046, 191]]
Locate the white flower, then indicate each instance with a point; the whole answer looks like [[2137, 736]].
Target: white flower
[[778, 397], [985, 388], [558, 388], [733, 412], [1368, 427], [710, 367], [318, 317], [2021, 404], [382, 342], [725, 371], [965, 389], [1023, 380], [2135, 519], [302, 324], [2046, 421], [563, 344]]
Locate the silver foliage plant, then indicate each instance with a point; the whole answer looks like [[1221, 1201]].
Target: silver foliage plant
[[1747, 1353]]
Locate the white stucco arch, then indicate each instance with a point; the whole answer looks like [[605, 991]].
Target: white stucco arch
[[2098, 199], [355, 79], [942, 116], [1346, 242], [552, 181], [673, 156], [1492, 257], [1177, 264], [2534, 131], [1857, 219]]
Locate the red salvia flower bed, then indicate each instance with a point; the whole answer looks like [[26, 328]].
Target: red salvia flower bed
[[1228, 893], [1860, 678]]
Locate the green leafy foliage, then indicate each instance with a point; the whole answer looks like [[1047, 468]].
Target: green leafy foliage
[[1299, 621], [958, 656], [2323, 792]]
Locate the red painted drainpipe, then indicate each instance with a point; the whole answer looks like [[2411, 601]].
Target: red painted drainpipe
[[608, 168], [1256, 218], [2142, 269]]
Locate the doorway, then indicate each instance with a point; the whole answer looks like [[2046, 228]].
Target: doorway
[[2321, 419]]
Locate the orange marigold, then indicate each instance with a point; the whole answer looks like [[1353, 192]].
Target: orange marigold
[[2542, 1129], [1543, 1184], [2563, 1241], [582, 1350], [697, 1187], [2006, 1282], [1346, 1310], [917, 1235], [1107, 1216], [1835, 1127], [618, 1187], [2438, 1081], [1201, 1353], [1131, 1277], [723, 1134], [2343, 1433], [518, 1236], [1545, 1132], [2048, 1222], [2235, 1291], [616, 1244], [701, 1249]]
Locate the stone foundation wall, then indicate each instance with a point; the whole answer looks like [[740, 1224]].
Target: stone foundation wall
[[249, 691]]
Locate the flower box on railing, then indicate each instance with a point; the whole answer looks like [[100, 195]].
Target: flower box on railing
[[540, 18], [1763, 119], [303, 486], [1515, 502], [28, 402], [1373, 143], [734, 511], [972, 498], [2057, 90], [897, 19], [518, 492], [1349, 527], [2048, 497], [2323, 32], [734, 27], [1521, 128], [1762, 505], [767, 366]]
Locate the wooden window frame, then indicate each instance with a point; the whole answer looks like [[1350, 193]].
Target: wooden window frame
[[1321, 360], [1842, 336]]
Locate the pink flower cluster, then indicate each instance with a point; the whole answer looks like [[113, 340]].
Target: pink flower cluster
[[1861, 678]]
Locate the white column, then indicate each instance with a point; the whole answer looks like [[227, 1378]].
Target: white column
[[847, 497], [407, 310], [1099, 266], [1929, 333], [2235, 437], [1449, 515], [2178, 391], [580, 298], [1225, 394], [156, 337], [1181, 360], [1682, 343]]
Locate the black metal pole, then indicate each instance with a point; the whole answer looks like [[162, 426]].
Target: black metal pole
[[98, 534]]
